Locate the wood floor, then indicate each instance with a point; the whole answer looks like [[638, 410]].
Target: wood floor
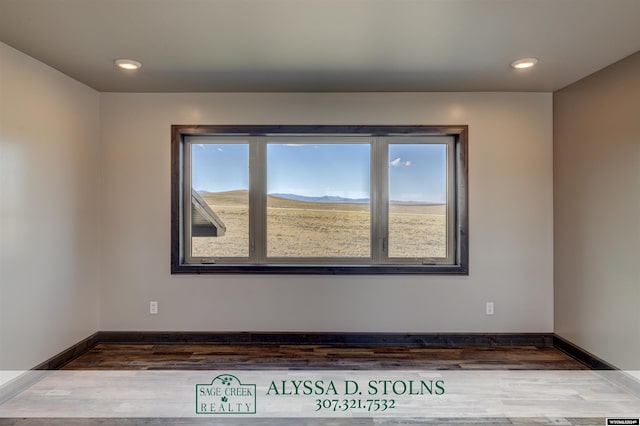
[[304, 422], [294, 357], [286, 357]]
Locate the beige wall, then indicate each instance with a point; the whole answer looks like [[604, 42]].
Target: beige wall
[[49, 194], [511, 223], [597, 213]]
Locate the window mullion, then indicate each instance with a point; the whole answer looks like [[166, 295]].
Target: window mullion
[[257, 200], [379, 200], [452, 225], [186, 199]]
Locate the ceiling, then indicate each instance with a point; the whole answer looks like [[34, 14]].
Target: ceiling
[[323, 45]]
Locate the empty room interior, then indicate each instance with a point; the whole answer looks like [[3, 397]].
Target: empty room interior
[[280, 184]]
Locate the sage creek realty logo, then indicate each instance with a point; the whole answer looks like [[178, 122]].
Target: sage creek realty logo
[[225, 395]]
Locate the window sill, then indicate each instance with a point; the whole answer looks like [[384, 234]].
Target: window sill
[[321, 270]]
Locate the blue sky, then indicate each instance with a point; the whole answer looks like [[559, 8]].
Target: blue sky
[[319, 169], [416, 171], [220, 167]]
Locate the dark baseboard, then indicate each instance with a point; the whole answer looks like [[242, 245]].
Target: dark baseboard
[[574, 351], [58, 361], [339, 339], [619, 377], [37, 373]]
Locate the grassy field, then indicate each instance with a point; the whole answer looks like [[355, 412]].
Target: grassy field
[[313, 229]]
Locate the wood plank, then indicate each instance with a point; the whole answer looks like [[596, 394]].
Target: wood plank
[[107, 356], [104, 356]]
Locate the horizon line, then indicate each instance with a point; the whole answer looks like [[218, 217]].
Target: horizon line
[[338, 199]]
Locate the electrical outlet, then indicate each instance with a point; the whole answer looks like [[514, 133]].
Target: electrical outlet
[[153, 308], [489, 308]]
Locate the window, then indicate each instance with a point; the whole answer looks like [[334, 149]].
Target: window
[[319, 199]]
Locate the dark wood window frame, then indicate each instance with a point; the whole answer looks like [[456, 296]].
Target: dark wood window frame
[[460, 265]]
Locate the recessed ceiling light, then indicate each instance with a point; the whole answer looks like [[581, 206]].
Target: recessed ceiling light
[[127, 64], [524, 63]]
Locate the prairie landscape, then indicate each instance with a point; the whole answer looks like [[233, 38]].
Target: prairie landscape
[[297, 228]]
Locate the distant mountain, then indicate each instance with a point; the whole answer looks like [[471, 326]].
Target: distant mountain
[[415, 203], [323, 199]]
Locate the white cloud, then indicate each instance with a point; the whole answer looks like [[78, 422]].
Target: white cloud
[[201, 145], [399, 163], [220, 149], [293, 144]]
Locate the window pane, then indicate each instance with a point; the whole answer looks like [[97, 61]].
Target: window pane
[[220, 200], [318, 200], [417, 200]]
